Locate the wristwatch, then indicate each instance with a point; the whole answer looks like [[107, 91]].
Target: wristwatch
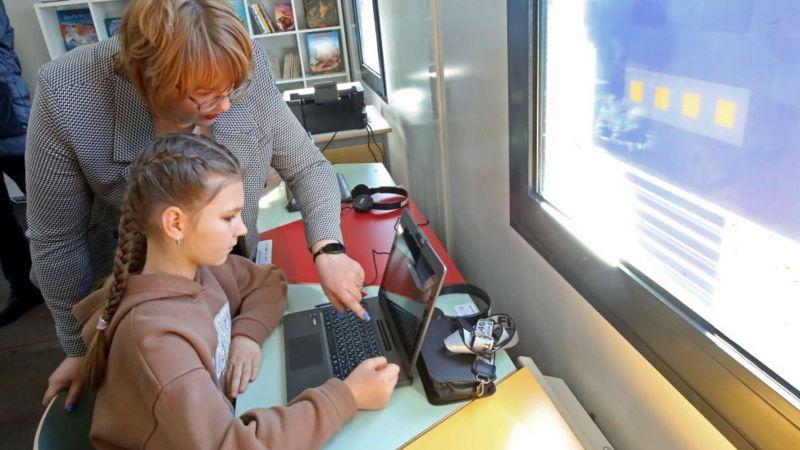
[[334, 248]]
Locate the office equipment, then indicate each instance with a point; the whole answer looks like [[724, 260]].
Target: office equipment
[[324, 111], [320, 345], [361, 197]]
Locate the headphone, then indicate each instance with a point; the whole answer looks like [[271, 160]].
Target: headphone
[[361, 196]]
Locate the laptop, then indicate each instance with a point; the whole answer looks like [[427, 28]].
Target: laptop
[[321, 344]]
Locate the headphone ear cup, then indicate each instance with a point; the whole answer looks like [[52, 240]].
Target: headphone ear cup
[[362, 203], [359, 189]]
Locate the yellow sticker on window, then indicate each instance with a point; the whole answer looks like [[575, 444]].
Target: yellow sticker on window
[[691, 105], [637, 91], [725, 115], [662, 98]]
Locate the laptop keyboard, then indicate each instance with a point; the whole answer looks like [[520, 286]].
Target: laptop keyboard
[[350, 341]]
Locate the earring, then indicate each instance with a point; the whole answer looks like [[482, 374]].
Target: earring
[[179, 241]]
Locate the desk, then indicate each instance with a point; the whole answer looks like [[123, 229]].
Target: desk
[[408, 414]]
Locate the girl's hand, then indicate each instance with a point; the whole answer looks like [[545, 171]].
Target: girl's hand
[[244, 361]]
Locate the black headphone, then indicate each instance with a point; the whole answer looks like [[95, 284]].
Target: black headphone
[[361, 196]]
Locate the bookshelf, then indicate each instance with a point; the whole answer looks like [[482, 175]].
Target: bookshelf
[[279, 44]]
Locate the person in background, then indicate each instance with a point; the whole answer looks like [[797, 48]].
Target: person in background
[[184, 66], [177, 329], [15, 106]]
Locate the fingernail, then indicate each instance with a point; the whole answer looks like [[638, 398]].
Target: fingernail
[[70, 407], [366, 317], [340, 314]]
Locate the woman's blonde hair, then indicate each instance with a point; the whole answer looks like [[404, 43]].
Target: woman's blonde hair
[[183, 45], [186, 170]]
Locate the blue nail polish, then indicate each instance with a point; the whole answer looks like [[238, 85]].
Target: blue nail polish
[[366, 317], [340, 314], [70, 407]]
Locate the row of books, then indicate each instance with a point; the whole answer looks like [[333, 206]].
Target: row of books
[[77, 27], [263, 23]]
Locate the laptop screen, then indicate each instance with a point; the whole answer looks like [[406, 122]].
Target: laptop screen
[[411, 282]]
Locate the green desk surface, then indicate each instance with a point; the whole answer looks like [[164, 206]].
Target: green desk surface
[[272, 206], [408, 414]]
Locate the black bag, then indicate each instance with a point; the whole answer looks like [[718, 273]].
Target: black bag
[[453, 377]]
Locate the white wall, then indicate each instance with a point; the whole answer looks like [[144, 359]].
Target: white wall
[[28, 40], [634, 405]]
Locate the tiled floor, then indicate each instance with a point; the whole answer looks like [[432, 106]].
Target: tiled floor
[[29, 351]]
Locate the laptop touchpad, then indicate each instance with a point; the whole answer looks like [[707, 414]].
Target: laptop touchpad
[[305, 351]]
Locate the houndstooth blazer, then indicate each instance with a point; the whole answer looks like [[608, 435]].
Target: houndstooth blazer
[[86, 127]]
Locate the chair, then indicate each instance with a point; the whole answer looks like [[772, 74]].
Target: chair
[[62, 430]]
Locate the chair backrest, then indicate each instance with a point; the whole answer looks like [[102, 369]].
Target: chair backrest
[[62, 430]]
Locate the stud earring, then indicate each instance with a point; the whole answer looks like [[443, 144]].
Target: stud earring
[[179, 241]]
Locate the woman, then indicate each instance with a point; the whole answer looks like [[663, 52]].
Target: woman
[[175, 66], [179, 324]]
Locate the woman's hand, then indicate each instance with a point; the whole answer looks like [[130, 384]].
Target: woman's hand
[[372, 383], [244, 361], [68, 375], [342, 280]]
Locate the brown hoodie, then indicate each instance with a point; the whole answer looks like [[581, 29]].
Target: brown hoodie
[[162, 387]]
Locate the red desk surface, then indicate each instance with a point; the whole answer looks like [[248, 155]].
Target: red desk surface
[[362, 232]]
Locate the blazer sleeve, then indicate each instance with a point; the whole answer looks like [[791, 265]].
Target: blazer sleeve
[[261, 298], [192, 413], [298, 160], [58, 213]]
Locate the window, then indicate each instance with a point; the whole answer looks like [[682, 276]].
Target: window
[[370, 50], [654, 158]]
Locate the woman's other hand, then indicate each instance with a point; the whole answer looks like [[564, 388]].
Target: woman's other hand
[[244, 361], [372, 383], [68, 375]]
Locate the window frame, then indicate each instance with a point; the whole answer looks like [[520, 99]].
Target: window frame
[[374, 80], [743, 399]]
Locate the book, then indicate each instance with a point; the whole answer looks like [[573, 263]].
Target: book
[[284, 17], [258, 22], [266, 18], [238, 7], [77, 27], [321, 13], [112, 25], [324, 52], [274, 62]]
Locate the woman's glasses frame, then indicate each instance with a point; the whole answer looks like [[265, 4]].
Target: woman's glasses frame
[[209, 105]]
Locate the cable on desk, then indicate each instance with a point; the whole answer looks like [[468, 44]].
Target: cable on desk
[[371, 137], [322, 150], [375, 266]]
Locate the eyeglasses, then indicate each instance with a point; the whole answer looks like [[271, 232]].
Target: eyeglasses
[[211, 104]]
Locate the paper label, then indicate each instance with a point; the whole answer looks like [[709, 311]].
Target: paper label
[[264, 252], [466, 309]]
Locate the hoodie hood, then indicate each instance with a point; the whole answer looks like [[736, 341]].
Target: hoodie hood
[[141, 288]]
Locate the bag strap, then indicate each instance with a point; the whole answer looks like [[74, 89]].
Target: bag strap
[[481, 334]]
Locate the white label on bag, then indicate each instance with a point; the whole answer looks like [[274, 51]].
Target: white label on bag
[[264, 252], [466, 309]]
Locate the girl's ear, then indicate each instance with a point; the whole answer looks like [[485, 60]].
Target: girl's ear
[[173, 223]]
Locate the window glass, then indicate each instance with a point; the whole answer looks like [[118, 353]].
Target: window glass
[[670, 141], [367, 32]]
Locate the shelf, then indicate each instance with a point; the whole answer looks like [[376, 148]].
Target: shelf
[[289, 80], [312, 30], [277, 44], [269, 35]]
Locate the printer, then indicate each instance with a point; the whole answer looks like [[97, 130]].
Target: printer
[[329, 107]]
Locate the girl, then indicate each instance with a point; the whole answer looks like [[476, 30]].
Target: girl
[[180, 322]]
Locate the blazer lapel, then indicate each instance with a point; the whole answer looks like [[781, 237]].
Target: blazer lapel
[[133, 123]]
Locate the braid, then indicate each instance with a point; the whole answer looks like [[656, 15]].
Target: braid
[[128, 258]]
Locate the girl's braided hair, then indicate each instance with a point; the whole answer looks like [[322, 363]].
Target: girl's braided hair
[[178, 169]]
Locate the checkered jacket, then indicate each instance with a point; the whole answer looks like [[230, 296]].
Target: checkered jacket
[[88, 124]]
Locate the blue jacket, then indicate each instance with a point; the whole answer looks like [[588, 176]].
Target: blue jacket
[[15, 102]]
